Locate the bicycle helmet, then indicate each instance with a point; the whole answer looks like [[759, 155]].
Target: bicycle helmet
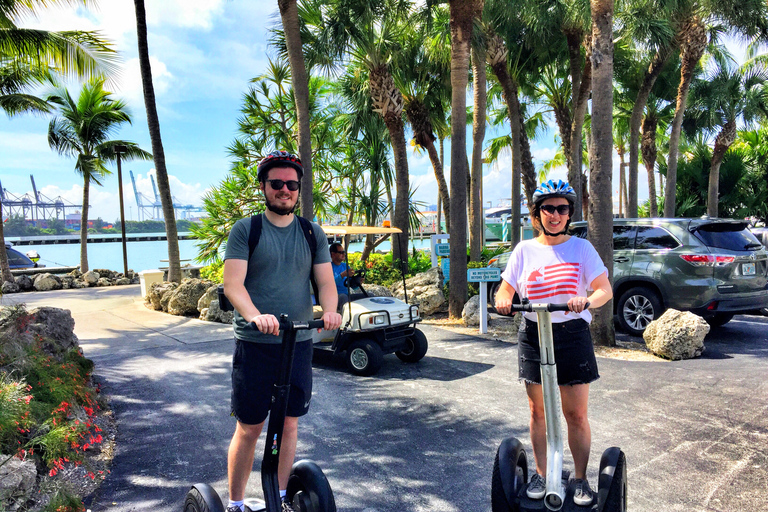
[[279, 159], [553, 188]]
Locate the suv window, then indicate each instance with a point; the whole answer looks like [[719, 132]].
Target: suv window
[[733, 237], [623, 237], [649, 237]]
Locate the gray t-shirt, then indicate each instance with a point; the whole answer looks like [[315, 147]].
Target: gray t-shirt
[[278, 273]]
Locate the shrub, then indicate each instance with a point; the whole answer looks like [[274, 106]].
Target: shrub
[[213, 272]]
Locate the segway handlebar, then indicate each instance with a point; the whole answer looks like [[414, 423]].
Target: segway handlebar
[[293, 325], [532, 307]]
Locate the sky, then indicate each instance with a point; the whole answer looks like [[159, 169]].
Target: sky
[[203, 54]]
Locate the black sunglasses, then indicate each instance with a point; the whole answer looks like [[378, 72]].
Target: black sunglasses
[[562, 209], [293, 185], [339, 252]]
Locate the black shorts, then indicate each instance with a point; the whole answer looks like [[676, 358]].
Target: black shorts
[[574, 353], [254, 372]]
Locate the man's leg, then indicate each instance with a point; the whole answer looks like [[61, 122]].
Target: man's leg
[[575, 402], [240, 458], [287, 450]]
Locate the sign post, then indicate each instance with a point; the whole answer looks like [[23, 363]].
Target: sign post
[[483, 276]]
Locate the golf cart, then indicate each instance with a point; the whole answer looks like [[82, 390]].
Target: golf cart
[[372, 326]]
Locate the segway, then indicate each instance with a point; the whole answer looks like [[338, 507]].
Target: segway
[[308, 488], [510, 469]]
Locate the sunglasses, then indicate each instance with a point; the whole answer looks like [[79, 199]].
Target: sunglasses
[[562, 209], [292, 185], [339, 252]]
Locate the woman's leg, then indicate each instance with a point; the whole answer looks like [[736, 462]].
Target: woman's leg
[[575, 402], [538, 427]]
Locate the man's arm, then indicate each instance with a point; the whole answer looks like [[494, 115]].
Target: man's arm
[[328, 297], [234, 288]]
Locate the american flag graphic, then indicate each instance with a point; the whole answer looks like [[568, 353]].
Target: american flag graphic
[[553, 280]]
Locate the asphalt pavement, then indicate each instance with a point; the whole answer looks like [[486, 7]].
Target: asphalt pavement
[[420, 437]]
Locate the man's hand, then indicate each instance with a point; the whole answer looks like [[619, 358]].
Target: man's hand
[[331, 321], [267, 324], [348, 273]]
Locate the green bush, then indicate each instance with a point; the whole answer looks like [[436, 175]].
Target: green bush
[[213, 272]]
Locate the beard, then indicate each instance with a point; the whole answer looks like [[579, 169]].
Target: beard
[[279, 209]]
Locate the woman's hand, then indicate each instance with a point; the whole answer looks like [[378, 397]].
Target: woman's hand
[[577, 304]]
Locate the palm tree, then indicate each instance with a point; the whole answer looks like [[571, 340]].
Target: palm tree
[[153, 123], [480, 88], [601, 203], [656, 120], [718, 100], [82, 130], [300, 80], [17, 77]]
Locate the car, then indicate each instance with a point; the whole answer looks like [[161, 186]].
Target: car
[[17, 260], [713, 267], [761, 234]]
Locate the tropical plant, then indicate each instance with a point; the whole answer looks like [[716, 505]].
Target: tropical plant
[[82, 130]]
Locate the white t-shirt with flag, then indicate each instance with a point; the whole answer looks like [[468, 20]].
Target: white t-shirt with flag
[[554, 273]]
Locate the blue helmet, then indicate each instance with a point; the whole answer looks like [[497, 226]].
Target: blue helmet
[[553, 188]]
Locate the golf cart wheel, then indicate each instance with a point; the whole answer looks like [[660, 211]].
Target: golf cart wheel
[[364, 357], [612, 483], [202, 498], [417, 348], [510, 474], [308, 489], [719, 319], [638, 307]]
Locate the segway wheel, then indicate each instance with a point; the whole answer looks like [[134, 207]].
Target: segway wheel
[[308, 489], [612, 483], [510, 473], [202, 498], [417, 348], [364, 357]]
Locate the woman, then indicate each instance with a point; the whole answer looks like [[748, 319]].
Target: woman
[[556, 267]]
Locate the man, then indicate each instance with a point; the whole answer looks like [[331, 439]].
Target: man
[[261, 286], [340, 271]]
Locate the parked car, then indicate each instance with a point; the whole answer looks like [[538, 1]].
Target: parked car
[[713, 267], [17, 259], [761, 234]]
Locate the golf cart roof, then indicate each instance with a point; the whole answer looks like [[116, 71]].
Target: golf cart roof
[[359, 230]]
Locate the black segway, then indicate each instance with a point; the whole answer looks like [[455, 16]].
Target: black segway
[[308, 488], [510, 469]]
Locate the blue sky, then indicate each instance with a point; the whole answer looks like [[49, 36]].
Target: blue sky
[[203, 53]]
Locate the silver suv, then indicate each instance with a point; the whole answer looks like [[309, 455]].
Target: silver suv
[[713, 267]]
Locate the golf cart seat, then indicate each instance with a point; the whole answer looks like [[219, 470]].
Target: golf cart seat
[[317, 312]]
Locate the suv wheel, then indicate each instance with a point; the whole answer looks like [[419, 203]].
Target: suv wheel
[[719, 319], [637, 308]]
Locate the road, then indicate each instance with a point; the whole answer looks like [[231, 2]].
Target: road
[[421, 437]]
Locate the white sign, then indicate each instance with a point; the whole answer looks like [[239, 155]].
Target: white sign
[[481, 275], [443, 249]]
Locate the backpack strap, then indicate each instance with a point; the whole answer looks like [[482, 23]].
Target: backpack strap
[[254, 235]]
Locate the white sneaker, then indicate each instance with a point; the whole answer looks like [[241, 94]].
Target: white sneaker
[[582, 494]]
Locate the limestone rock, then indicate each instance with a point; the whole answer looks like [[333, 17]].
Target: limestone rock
[[91, 277], [425, 289], [215, 314], [156, 293], [76, 274], [183, 300], [17, 481], [205, 300], [376, 290], [103, 272], [66, 281], [123, 281], [470, 315], [45, 282], [10, 287], [56, 326], [103, 281], [25, 282], [676, 335]]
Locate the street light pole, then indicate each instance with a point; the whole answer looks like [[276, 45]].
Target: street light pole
[[118, 150]]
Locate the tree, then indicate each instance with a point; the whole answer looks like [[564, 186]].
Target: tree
[[600, 205], [82, 130], [5, 268], [300, 80], [463, 14], [480, 89], [153, 124]]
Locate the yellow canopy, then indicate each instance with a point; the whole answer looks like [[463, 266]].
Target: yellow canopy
[[359, 230]]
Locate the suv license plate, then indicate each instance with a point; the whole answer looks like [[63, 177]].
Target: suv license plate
[[748, 269]]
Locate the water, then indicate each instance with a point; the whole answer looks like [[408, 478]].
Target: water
[[143, 255]]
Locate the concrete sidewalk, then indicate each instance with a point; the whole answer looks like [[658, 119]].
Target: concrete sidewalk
[[421, 437]]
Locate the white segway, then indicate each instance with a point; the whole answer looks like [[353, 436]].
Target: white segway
[[308, 488], [510, 469]]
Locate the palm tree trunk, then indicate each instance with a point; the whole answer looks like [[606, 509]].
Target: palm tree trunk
[[442, 185], [153, 123], [84, 225], [462, 14], [478, 135], [5, 268], [300, 82], [527, 168], [648, 146], [621, 178], [581, 83], [601, 204], [693, 41], [724, 139], [649, 79], [396, 130]]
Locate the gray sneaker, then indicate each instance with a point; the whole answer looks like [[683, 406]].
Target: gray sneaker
[[582, 494], [287, 507], [234, 508], [537, 488]]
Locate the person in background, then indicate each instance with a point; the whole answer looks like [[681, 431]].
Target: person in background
[[340, 271]]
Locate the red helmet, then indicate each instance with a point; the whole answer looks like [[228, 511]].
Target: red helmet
[[279, 159]]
